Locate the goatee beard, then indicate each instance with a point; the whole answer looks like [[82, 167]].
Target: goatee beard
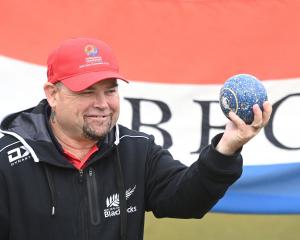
[[93, 135]]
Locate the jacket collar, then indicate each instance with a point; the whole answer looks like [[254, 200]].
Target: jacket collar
[[31, 127]]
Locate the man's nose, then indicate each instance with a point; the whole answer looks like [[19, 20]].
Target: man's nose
[[100, 101]]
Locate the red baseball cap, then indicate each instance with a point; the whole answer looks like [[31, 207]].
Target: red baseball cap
[[81, 62]]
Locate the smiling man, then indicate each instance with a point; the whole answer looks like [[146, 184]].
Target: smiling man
[[79, 128], [68, 170]]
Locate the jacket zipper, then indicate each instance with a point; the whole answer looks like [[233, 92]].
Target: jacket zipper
[[80, 176], [93, 197], [82, 215]]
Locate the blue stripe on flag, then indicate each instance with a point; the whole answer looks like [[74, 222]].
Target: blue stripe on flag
[[264, 189]]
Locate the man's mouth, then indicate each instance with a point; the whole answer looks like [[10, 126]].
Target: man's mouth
[[98, 117]]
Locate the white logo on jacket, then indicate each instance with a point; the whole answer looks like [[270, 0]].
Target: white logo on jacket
[[113, 204], [18, 155]]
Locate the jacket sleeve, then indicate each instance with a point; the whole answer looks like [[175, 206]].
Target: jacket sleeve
[[174, 190], [4, 210]]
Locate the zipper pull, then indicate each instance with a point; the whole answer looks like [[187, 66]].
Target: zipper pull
[[90, 172], [53, 211], [80, 176]]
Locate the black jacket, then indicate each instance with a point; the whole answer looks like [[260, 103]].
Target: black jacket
[[42, 196]]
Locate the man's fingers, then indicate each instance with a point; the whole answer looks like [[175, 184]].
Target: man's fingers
[[261, 118], [267, 112], [258, 119], [236, 119]]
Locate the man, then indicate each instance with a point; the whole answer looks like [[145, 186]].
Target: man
[[69, 171]]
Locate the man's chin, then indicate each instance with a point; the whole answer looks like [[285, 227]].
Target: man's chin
[[95, 134]]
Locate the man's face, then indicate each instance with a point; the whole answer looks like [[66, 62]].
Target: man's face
[[89, 114]]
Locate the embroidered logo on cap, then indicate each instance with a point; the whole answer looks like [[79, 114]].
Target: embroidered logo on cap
[[91, 50], [93, 58]]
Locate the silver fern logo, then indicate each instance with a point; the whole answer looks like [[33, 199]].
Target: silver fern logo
[[113, 204], [114, 200]]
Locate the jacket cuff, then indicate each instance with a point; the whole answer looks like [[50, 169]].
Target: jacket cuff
[[221, 160]]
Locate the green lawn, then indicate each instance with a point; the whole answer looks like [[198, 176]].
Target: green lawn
[[216, 226]]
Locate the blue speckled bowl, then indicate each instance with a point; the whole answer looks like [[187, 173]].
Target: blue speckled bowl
[[239, 93]]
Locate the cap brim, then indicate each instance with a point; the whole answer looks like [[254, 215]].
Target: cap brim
[[83, 81]]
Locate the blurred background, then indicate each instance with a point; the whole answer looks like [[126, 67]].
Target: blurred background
[[177, 54]]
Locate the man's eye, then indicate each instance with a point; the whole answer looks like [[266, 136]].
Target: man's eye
[[87, 92], [112, 90]]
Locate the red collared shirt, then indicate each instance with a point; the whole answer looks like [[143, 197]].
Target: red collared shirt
[[77, 163]]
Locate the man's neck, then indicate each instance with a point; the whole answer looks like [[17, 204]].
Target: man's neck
[[76, 146]]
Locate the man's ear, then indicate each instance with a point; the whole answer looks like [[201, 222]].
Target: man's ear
[[51, 91]]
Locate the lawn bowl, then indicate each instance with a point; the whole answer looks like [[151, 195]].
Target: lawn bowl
[[239, 93]]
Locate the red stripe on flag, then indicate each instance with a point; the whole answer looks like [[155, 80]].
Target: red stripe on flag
[[164, 41]]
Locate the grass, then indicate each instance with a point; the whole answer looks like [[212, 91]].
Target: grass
[[215, 226]]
